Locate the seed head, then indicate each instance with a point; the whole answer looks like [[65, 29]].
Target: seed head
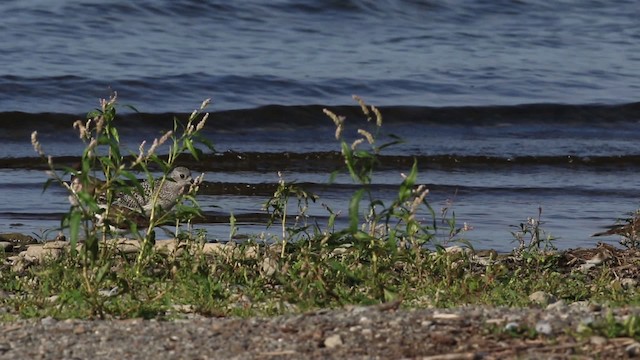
[[200, 125], [367, 135], [363, 106], [36, 144], [205, 103], [378, 116], [355, 144]]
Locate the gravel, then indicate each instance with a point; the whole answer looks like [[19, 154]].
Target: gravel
[[378, 332]]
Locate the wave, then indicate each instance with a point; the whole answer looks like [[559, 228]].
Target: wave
[[326, 162], [279, 116]]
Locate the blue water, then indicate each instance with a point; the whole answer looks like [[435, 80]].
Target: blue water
[[449, 76], [61, 56]]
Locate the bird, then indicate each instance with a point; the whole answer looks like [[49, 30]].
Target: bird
[[135, 206], [166, 194], [629, 229]]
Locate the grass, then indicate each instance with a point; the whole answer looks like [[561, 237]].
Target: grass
[[385, 254]]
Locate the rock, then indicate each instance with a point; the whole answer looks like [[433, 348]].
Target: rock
[[17, 238], [582, 328], [544, 328], [633, 349], [598, 340], [170, 246], [6, 246], [628, 283], [580, 305], [55, 245], [48, 321], [445, 316], [110, 292], [587, 320], [559, 305], [333, 341], [222, 249], [512, 326], [37, 253], [79, 329], [456, 249], [127, 246], [542, 298], [184, 308], [586, 267], [595, 307], [269, 266]]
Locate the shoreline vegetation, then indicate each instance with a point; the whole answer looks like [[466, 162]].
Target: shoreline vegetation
[[384, 261]]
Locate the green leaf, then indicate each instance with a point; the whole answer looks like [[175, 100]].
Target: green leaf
[[194, 152], [389, 295], [354, 209], [74, 229], [202, 140], [406, 188]]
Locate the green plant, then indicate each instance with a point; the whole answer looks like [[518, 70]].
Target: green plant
[[277, 207], [531, 237], [105, 174]]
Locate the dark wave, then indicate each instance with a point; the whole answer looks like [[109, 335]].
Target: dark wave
[[331, 161], [279, 116]]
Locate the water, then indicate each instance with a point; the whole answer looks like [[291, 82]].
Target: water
[[450, 77]]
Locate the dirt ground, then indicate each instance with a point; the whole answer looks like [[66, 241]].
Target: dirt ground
[[379, 332]]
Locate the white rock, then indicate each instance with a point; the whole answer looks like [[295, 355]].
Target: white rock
[[559, 305], [586, 266], [598, 340], [542, 298], [333, 341], [445, 316], [269, 266], [629, 283], [544, 328], [512, 326], [109, 293]]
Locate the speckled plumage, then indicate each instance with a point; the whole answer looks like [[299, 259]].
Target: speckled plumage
[[628, 228], [167, 193], [137, 205]]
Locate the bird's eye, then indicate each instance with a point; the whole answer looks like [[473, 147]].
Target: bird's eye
[[182, 176]]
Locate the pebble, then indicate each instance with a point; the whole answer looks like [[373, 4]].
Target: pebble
[[598, 340], [109, 293], [445, 316], [512, 326], [559, 305], [629, 283], [581, 328], [633, 349], [333, 341], [587, 320], [542, 298], [269, 266], [48, 321], [426, 323], [544, 328]]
